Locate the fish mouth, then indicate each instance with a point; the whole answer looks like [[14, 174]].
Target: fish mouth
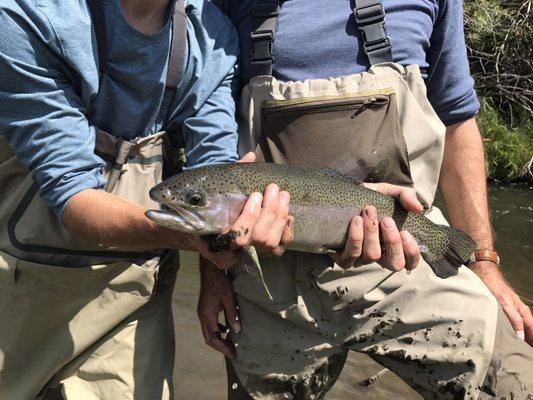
[[174, 216], [178, 218], [190, 217]]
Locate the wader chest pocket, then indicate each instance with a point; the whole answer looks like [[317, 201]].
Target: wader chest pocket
[[358, 134]]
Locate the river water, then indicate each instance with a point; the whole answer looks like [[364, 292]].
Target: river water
[[200, 372]]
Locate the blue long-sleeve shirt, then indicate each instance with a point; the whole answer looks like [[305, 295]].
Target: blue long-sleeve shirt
[[319, 39], [51, 100]]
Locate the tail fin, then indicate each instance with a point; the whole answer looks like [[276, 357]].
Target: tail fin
[[457, 250]]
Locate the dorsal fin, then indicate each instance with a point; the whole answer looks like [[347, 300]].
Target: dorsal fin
[[340, 175]]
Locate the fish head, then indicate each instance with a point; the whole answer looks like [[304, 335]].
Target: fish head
[[199, 201]]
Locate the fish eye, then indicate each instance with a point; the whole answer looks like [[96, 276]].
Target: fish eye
[[195, 198]]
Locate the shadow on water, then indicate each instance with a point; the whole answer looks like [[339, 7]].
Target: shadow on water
[[200, 371]]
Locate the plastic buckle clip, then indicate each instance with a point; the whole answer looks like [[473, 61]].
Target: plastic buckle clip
[[371, 22], [262, 46]]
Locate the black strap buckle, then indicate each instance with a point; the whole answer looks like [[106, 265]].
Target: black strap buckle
[[382, 44], [264, 13], [371, 22], [259, 36], [262, 46]]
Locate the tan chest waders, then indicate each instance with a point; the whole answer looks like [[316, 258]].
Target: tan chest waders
[[436, 334], [101, 328]]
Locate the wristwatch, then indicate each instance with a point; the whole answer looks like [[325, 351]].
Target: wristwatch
[[485, 255]]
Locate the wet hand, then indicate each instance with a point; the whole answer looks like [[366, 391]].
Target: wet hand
[[518, 313], [370, 240], [264, 222], [217, 296]]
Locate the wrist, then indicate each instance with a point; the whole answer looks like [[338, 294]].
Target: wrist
[[208, 268], [485, 269], [484, 260], [484, 241], [484, 254]]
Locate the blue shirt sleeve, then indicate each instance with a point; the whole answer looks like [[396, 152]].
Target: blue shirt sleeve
[[207, 117], [41, 116], [211, 135], [450, 86]]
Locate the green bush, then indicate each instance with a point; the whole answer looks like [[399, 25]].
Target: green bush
[[507, 149], [499, 37]]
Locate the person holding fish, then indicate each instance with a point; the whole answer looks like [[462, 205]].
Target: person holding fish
[[383, 103], [93, 97]]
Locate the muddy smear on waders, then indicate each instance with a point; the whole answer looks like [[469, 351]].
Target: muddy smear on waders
[[200, 372]]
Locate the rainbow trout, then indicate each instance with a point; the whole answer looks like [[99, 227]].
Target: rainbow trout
[[206, 201]]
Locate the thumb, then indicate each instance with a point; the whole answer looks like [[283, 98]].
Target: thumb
[[232, 313], [527, 319], [247, 158], [405, 195], [409, 200]]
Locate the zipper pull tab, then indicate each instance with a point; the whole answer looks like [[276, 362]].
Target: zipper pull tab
[[363, 106], [372, 102]]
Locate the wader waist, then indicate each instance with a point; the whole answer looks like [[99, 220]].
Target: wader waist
[[32, 232]]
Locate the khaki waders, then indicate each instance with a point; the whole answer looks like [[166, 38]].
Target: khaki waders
[[81, 321], [447, 338]]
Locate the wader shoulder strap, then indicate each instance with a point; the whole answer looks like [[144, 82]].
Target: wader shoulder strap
[[370, 20], [177, 47], [264, 14]]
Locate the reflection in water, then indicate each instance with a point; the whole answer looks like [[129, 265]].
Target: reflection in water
[[512, 217], [200, 372]]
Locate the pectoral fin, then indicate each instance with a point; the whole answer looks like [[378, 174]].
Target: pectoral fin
[[248, 260]]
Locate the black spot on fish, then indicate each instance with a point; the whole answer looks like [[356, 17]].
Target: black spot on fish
[[377, 314], [406, 340]]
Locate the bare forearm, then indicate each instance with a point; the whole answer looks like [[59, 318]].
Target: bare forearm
[[463, 182], [102, 218]]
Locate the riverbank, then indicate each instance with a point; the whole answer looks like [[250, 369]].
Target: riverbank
[[508, 145], [498, 37]]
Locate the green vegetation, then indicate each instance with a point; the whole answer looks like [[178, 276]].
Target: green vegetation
[[508, 149], [499, 36]]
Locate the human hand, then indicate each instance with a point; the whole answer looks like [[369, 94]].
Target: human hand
[[216, 296], [264, 222], [518, 313], [397, 250]]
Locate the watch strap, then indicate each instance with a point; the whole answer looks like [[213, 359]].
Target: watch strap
[[485, 255]]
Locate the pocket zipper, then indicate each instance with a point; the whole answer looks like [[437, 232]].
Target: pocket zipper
[[377, 98]]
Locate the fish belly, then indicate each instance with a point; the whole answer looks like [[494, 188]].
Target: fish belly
[[320, 228]]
